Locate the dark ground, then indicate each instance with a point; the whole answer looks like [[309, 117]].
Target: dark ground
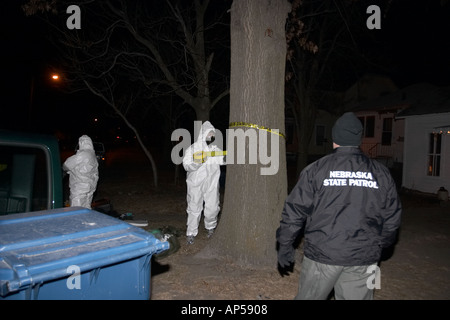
[[418, 268]]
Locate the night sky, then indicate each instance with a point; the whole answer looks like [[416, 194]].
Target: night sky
[[415, 34], [28, 61], [418, 34]]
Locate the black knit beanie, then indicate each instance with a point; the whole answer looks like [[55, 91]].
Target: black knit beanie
[[347, 130]]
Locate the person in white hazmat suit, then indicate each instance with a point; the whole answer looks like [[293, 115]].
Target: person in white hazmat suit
[[82, 168], [202, 181]]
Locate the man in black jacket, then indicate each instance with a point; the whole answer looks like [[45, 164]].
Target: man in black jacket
[[348, 206]]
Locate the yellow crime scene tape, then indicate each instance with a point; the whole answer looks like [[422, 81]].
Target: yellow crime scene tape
[[200, 156], [252, 125]]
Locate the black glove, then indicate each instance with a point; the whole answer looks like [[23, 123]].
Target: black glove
[[286, 258]]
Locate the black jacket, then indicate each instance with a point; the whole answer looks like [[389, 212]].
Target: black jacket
[[349, 207]]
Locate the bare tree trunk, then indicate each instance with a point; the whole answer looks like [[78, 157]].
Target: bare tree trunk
[[202, 107], [253, 202]]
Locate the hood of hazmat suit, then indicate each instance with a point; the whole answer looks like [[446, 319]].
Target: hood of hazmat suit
[[82, 168], [211, 164]]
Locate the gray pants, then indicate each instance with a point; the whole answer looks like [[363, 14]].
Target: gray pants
[[317, 280]]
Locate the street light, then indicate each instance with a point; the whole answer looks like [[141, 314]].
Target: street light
[[55, 77]]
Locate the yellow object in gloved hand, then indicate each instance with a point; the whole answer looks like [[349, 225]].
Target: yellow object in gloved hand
[[201, 156]]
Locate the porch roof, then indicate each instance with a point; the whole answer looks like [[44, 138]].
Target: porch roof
[[421, 98]]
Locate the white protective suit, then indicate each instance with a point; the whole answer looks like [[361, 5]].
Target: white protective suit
[[83, 171], [202, 181]]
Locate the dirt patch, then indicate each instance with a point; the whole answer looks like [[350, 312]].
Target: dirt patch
[[418, 268]]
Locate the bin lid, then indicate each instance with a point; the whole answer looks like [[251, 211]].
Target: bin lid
[[37, 247]]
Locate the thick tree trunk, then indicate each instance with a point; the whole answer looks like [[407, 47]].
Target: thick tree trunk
[[254, 201]]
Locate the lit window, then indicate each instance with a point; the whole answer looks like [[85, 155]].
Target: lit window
[[434, 154]]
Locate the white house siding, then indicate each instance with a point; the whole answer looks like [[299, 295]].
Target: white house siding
[[417, 130], [398, 138]]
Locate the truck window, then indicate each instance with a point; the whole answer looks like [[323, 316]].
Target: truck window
[[24, 179]]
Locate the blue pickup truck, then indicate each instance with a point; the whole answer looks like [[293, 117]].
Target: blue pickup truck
[[30, 173]]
